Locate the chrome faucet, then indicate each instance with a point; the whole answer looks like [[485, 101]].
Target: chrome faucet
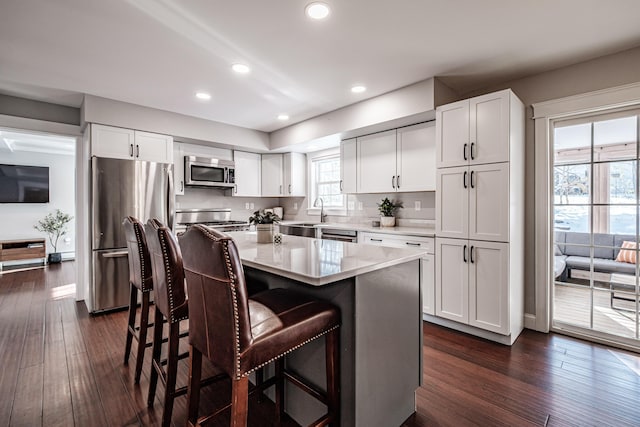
[[323, 216]]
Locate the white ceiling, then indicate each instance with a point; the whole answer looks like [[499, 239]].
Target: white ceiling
[[158, 53]]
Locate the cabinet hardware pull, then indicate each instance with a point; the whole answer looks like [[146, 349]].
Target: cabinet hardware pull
[[464, 151], [376, 240], [137, 150], [464, 179], [181, 186], [472, 145], [471, 181], [412, 244], [393, 181], [464, 253], [280, 191], [130, 150], [471, 255], [235, 189], [340, 185], [289, 188], [398, 181]]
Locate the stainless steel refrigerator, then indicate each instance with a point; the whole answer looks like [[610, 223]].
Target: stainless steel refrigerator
[[120, 188]]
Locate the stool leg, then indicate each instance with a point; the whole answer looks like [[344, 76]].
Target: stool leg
[[131, 324], [172, 372], [279, 367], [332, 356], [142, 336], [239, 401], [155, 358], [259, 381], [193, 392]]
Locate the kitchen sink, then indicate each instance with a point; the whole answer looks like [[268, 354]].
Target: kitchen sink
[[304, 229]]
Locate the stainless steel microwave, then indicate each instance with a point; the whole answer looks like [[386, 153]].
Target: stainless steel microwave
[[207, 172]]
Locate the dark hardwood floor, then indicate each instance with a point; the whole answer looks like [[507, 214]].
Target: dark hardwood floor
[[63, 367]]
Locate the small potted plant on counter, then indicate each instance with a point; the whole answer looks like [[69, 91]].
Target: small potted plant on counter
[[386, 208], [264, 225], [55, 225]]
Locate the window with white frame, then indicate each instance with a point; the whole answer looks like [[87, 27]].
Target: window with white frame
[[325, 181]]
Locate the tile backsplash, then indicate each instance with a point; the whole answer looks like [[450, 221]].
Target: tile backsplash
[[295, 208]]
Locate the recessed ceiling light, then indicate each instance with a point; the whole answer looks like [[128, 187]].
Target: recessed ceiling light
[[358, 89], [317, 10], [283, 117], [240, 68], [203, 95]]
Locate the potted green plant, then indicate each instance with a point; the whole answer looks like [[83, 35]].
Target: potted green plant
[[264, 225], [387, 208], [55, 225]]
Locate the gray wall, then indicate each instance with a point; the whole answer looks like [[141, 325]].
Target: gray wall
[[21, 107]]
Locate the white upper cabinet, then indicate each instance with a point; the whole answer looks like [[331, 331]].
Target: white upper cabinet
[[415, 157], [272, 175], [474, 131], [397, 160], [248, 168], [376, 162], [295, 175], [119, 143], [348, 169]]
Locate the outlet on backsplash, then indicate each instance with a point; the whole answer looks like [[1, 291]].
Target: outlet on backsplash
[[295, 206], [351, 206], [417, 205], [246, 206], [360, 206]]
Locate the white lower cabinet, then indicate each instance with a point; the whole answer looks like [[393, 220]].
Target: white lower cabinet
[[426, 263], [472, 283]]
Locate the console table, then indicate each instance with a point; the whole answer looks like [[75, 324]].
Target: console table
[[16, 250]]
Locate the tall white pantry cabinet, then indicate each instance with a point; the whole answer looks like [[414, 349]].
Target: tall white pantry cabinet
[[480, 216]]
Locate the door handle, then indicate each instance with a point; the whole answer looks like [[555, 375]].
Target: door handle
[[464, 253], [289, 188], [137, 150], [471, 255], [376, 240], [464, 179], [280, 192], [235, 189], [398, 181], [340, 185], [130, 150], [472, 145], [412, 244], [181, 186], [116, 254], [464, 151], [471, 180], [393, 181]]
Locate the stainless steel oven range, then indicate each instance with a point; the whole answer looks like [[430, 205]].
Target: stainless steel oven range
[[218, 218]]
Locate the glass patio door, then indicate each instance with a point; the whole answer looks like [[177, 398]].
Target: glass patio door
[[596, 222]]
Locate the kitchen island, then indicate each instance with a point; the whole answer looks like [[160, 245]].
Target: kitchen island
[[378, 291]]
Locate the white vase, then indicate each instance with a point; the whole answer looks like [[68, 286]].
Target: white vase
[[387, 221], [264, 233]]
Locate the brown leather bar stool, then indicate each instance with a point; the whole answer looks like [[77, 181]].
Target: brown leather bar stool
[[241, 334], [141, 279], [171, 304]]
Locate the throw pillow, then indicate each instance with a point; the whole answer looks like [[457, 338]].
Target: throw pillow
[[627, 252]]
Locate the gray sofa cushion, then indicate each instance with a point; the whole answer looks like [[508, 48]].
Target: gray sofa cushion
[[606, 240], [600, 265]]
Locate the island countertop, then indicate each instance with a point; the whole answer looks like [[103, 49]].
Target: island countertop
[[318, 262]]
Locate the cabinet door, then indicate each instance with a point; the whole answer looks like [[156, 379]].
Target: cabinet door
[[248, 170], [489, 128], [295, 174], [112, 142], [427, 283], [489, 202], [348, 166], [416, 158], [489, 286], [271, 174], [377, 162], [452, 202], [452, 134], [153, 147], [452, 279], [178, 168]]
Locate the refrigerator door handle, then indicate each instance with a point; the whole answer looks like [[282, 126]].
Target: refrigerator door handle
[[170, 198], [117, 254]]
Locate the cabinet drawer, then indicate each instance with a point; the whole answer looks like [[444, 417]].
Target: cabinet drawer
[[398, 241]]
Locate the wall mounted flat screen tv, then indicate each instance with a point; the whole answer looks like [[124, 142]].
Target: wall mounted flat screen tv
[[24, 184]]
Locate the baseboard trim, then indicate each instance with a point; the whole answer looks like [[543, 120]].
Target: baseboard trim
[[530, 321]]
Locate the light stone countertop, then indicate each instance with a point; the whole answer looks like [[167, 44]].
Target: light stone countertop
[[318, 262], [425, 231]]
